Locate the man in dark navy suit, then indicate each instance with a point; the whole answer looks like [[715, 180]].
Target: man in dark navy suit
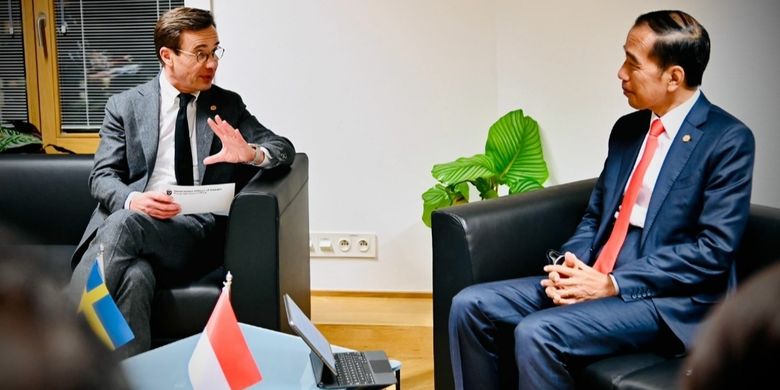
[[656, 245]]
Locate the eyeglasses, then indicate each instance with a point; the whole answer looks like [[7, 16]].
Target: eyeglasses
[[554, 257], [202, 57]]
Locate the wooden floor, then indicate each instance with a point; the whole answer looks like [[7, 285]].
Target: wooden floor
[[401, 326]]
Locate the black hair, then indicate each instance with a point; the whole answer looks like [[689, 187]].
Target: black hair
[[682, 41]]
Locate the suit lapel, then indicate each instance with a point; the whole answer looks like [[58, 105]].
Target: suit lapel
[[203, 134], [678, 156], [630, 155], [637, 130], [147, 115]]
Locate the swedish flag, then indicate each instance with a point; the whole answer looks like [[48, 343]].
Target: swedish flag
[[101, 311]]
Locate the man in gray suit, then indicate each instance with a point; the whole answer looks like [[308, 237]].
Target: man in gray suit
[[149, 137]]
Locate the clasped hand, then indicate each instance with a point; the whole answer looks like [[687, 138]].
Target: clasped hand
[[574, 281]]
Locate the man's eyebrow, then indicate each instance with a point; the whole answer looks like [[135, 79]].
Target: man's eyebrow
[[630, 55], [202, 45]]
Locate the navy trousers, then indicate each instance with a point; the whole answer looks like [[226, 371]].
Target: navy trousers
[[495, 326]]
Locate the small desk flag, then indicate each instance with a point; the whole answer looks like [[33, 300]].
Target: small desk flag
[[222, 359], [101, 311]]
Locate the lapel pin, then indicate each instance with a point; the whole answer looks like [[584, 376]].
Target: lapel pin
[[686, 138], [213, 108]]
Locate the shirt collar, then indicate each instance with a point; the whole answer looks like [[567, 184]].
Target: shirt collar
[[169, 93], [673, 119]]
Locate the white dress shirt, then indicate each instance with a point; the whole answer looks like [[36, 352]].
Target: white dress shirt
[[164, 173]]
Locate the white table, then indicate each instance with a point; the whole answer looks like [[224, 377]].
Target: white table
[[283, 360]]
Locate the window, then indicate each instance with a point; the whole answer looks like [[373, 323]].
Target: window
[[13, 85], [103, 47], [63, 59]]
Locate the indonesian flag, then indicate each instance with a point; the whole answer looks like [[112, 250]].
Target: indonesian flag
[[221, 359]]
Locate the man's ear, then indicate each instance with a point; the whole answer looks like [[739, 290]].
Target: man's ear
[[166, 55], [676, 78]]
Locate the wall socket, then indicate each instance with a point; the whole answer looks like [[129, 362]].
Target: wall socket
[[325, 244]]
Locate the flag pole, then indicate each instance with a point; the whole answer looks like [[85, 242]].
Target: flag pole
[[100, 261], [228, 281]]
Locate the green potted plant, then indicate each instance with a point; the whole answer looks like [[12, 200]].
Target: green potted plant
[[513, 157]]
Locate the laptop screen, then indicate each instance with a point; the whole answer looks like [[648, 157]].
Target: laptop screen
[[306, 329]]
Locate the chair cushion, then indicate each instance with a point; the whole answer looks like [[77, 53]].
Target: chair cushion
[[661, 376], [183, 311], [606, 373]]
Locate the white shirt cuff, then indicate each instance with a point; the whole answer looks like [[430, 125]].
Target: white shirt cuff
[[266, 161], [129, 198], [614, 283]]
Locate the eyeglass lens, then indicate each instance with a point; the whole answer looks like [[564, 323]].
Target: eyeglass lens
[[216, 54]]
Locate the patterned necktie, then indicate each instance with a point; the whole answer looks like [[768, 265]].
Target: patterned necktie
[[183, 156], [606, 260]]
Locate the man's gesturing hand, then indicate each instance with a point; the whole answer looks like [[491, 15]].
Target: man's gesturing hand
[[155, 204], [234, 148], [574, 281]]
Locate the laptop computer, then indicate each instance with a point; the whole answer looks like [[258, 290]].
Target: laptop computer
[[365, 370]]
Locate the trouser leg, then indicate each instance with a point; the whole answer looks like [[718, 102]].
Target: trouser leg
[[134, 298], [136, 250], [477, 314], [547, 341], [546, 338]]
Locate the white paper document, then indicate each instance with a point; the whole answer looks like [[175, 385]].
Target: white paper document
[[212, 198]]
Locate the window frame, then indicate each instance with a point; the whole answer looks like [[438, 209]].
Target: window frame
[[42, 80]]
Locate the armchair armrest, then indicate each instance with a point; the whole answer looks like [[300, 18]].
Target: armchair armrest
[[496, 239], [267, 245]]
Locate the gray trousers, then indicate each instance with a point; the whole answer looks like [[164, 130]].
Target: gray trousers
[[140, 253]]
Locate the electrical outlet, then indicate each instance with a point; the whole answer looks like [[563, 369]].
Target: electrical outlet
[[342, 245], [345, 244]]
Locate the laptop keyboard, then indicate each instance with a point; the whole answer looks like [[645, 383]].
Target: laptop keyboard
[[353, 369]]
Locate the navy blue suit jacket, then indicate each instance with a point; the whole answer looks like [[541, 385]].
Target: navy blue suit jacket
[[695, 220]]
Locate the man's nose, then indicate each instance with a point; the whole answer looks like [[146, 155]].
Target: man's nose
[[622, 74]]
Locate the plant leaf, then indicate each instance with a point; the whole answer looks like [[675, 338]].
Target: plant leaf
[[434, 198], [513, 157], [461, 191], [487, 188], [515, 147], [524, 185], [463, 169]]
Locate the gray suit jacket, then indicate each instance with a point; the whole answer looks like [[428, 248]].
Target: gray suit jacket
[[129, 139]]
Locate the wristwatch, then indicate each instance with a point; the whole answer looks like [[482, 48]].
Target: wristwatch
[[258, 154]]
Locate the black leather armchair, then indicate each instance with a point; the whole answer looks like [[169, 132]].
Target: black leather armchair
[[46, 198], [507, 238]]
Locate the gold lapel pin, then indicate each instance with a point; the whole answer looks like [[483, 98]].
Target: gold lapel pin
[[686, 138], [213, 108]]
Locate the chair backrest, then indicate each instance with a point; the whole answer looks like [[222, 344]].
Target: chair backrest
[[760, 244], [46, 197]]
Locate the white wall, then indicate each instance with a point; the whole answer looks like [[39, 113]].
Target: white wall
[[559, 60], [376, 92]]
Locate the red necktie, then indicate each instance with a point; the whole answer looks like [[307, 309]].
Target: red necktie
[[606, 260]]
